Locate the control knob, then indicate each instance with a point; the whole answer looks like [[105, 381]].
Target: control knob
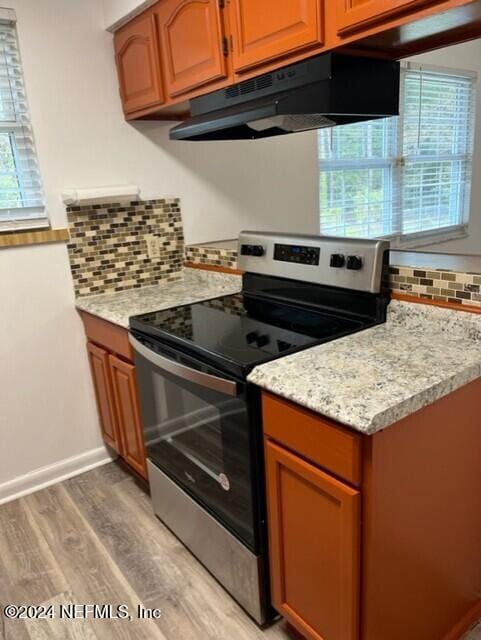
[[354, 263], [338, 260], [255, 250]]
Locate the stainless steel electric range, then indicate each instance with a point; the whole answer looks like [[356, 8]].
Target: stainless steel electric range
[[202, 419]]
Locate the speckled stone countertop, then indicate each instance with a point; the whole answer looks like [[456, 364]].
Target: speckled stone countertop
[[374, 378], [193, 286]]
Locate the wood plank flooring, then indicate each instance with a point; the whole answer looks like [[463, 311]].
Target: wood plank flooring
[[94, 539]]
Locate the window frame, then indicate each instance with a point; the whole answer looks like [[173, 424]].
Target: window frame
[[19, 130], [399, 161]]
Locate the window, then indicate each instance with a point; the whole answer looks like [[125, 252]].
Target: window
[[406, 177], [21, 194]]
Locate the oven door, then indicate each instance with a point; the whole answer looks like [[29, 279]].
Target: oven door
[[198, 430]]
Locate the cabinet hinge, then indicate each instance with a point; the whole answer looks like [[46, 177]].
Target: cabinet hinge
[[225, 46]]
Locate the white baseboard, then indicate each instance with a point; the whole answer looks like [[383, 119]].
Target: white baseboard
[[53, 473]]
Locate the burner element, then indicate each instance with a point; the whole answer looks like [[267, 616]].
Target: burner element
[[263, 341]]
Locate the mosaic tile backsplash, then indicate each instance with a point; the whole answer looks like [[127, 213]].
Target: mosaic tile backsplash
[[436, 284], [214, 256], [108, 246]]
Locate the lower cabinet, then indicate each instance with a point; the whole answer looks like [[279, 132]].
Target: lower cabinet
[[124, 387], [115, 384], [99, 364], [314, 536], [399, 499]]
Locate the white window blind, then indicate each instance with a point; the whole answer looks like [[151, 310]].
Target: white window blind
[[21, 195], [407, 176]]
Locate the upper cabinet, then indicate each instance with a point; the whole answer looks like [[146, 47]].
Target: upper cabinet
[[355, 14], [179, 49], [192, 44], [138, 64], [264, 30]]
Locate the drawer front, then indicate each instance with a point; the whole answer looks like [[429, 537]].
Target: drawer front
[[108, 335], [318, 439]]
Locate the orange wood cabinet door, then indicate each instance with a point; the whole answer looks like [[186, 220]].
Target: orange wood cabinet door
[[314, 535], [355, 14], [352, 14], [99, 363], [138, 64], [128, 413], [264, 30], [192, 44]]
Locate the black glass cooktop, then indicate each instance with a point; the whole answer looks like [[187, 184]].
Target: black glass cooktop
[[243, 330]]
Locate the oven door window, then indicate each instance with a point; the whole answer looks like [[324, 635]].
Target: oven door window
[[201, 438]]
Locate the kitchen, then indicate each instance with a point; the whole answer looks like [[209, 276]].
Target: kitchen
[[70, 518]]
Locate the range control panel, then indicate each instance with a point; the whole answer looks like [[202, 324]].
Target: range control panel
[[297, 253], [349, 263]]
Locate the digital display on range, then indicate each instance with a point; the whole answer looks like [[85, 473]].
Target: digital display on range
[[297, 253]]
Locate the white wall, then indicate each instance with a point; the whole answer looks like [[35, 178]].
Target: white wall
[[46, 404], [47, 407], [117, 11]]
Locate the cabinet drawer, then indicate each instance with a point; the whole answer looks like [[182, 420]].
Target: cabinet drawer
[[110, 336], [314, 437]]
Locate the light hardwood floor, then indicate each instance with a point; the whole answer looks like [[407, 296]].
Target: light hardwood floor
[[94, 539]]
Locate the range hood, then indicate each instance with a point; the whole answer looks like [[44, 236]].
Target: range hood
[[325, 91]]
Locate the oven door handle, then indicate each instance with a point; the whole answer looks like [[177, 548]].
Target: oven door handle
[[228, 387]]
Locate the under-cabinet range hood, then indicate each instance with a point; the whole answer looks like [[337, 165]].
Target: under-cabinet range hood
[[328, 90]]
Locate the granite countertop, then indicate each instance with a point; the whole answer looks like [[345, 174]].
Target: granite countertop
[[378, 376], [194, 285], [367, 381]]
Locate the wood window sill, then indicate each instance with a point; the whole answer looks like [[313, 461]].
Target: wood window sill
[[23, 238]]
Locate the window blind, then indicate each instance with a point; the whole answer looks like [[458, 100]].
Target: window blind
[[403, 176], [21, 194]]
